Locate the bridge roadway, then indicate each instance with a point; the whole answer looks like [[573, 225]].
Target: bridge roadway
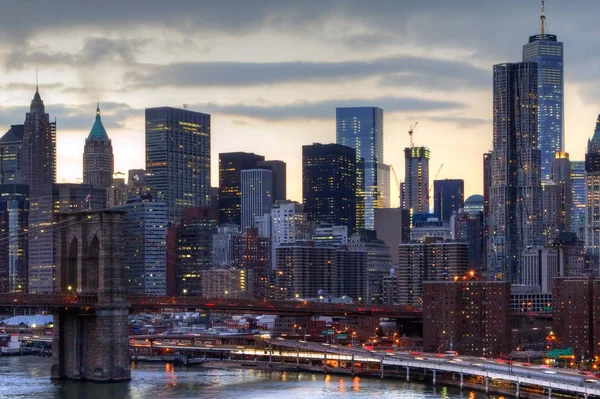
[[287, 308], [548, 378], [519, 374]]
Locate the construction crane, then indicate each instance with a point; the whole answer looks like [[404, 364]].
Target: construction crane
[[437, 174], [397, 181], [410, 133]]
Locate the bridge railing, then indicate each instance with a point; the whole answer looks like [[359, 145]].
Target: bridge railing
[[48, 300]]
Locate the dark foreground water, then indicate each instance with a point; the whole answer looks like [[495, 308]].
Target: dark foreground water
[[29, 377]]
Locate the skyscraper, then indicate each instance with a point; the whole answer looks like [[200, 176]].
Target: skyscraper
[[515, 193], [578, 182], [561, 175], [178, 158], [448, 197], [547, 52], [592, 177], [416, 179], [145, 255], [288, 224], [231, 165], [257, 194], [279, 169], [14, 219], [98, 160], [11, 152], [361, 128], [329, 184], [38, 170]]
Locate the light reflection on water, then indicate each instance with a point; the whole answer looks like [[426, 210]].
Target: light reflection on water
[[28, 377]]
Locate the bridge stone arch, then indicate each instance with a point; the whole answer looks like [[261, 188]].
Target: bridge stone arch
[[91, 343]]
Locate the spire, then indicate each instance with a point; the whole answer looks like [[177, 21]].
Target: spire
[[543, 18], [98, 132], [98, 109], [36, 79]]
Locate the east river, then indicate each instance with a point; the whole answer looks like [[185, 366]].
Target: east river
[[29, 377]]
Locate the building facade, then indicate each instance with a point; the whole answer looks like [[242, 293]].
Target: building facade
[[289, 224], [14, 221], [145, 256], [38, 170], [257, 195], [515, 192], [547, 53], [428, 261], [416, 180], [468, 316], [231, 165], [11, 153], [393, 228], [279, 169], [193, 248], [361, 128], [448, 197], [222, 244], [252, 253], [98, 159], [561, 175], [578, 181], [592, 215], [178, 159], [329, 184]]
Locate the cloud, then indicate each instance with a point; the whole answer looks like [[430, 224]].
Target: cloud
[[304, 110], [423, 72], [74, 117], [462, 122]]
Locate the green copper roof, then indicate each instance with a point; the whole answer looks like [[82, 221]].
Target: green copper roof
[[98, 132]]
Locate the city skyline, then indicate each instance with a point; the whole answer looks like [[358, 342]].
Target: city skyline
[[246, 88]]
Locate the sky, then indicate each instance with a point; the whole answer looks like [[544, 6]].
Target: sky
[[271, 73]]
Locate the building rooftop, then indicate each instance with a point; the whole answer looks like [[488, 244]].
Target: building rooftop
[[15, 133], [98, 132]]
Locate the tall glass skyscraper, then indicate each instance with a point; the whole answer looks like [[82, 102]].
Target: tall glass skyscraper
[[515, 191], [579, 198], [448, 197], [361, 128], [178, 158], [547, 52]]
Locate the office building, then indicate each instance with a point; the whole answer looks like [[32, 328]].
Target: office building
[[257, 194], [38, 168], [573, 255], [11, 152], [561, 175], [432, 260], [393, 228], [227, 283], [547, 53], [361, 128], [327, 235], [416, 179], [468, 316], [448, 197], [118, 192], [379, 264], [222, 244], [231, 165], [552, 217], [515, 191], [304, 270], [578, 184], [576, 315], [279, 169], [193, 248], [592, 218], [14, 220], [430, 228], [329, 184], [98, 159], [145, 255], [178, 159], [71, 197], [288, 224], [468, 227], [540, 265], [252, 253]]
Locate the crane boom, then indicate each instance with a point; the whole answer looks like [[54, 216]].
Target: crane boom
[[410, 134]]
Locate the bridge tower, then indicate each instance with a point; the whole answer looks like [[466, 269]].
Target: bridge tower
[[91, 343]]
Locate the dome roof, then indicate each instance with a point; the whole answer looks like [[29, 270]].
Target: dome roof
[[474, 199], [98, 132]]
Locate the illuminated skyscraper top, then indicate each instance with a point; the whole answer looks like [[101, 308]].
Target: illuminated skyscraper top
[[545, 50]]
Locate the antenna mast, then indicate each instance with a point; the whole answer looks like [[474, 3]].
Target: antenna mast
[[543, 18]]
